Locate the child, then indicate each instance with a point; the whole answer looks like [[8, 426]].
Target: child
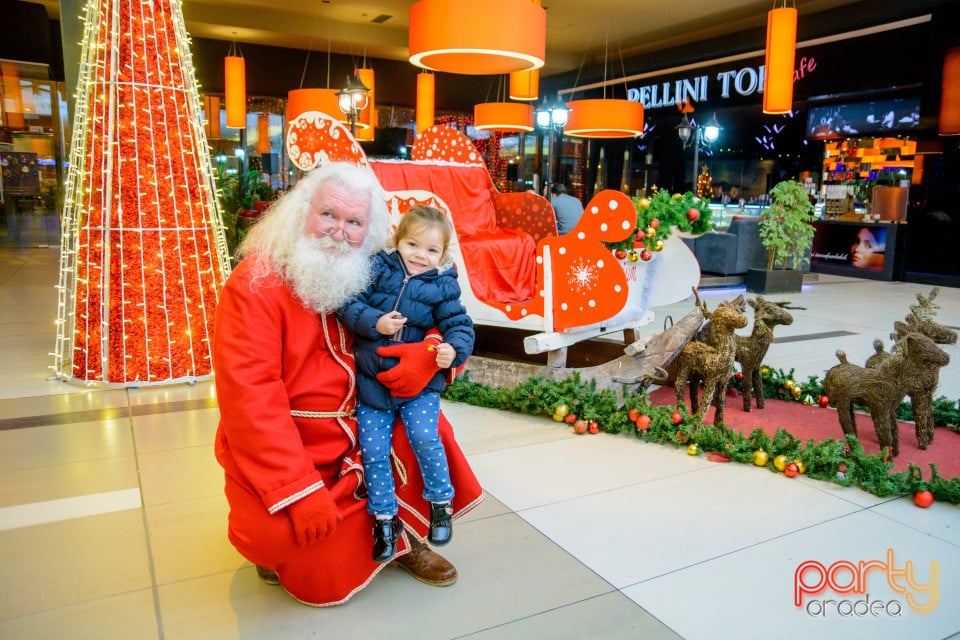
[[413, 289]]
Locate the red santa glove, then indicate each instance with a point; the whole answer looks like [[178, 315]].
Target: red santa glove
[[314, 516], [417, 366]]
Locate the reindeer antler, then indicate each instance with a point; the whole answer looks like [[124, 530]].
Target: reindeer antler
[[700, 303]]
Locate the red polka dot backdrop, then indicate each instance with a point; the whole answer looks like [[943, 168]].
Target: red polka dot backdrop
[[143, 255], [444, 144], [527, 211]]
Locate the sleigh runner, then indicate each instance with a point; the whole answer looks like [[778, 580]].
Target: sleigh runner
[[515, 271]]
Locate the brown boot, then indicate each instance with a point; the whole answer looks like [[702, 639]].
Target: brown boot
[[427, 566], [269, 576]]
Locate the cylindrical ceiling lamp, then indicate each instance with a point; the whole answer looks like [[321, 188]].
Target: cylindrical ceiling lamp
[[366, 121], [211, 105], [263, 133], [426, 91], [503, 116], [477, 37], [780, 54], [525, 85], [950, 95], [235, 90], [604, 118], [303, 100]]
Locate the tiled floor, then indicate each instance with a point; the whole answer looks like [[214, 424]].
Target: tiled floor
[[112, 516]]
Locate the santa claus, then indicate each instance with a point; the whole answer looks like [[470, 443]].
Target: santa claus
[[287, 438]]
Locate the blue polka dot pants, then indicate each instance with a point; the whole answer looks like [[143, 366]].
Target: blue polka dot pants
[[419, 417]]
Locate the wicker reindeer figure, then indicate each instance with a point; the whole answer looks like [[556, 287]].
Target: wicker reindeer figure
[[921, 319], [711, 360], [752, 349], [921, 386], [881, 387]]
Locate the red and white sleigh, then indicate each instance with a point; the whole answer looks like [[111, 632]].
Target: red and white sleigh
[[514, 270]]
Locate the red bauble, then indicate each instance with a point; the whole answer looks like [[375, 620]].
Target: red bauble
[[923, 499], [823, 401], [693, 214], [646, 255], [676, 417], [791, 470]]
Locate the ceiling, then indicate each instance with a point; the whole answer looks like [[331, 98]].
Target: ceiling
[[579, 32]]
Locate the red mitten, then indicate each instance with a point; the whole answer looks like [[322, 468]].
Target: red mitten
[[418, 364], [314, 516]]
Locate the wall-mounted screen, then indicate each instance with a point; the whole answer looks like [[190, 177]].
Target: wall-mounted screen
[[863, 118]]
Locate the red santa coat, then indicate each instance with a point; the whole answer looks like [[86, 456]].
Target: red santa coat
[[273, 357]]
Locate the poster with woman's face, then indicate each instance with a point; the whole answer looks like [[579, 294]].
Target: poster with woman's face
[[861, 247], [868, 248]]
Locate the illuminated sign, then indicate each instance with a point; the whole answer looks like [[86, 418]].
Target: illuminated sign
[[745, 81]]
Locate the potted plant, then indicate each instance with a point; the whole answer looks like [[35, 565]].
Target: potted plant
[[786, 232], [237, 195]]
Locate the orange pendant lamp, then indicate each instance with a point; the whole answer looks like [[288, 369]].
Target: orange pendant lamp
[[477, 37], [426, 90], [367, 121], [525, 85], [604, 118], [950, 95], [508, 117], [211, 106], [235, 88], [780, 54], [263, 133], [304, 100]]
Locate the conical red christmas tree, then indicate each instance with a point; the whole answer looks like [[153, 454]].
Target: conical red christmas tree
[[143, 256]]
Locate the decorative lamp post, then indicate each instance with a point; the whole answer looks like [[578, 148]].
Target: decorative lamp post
[[692, 133], [353, 99], [551, 118]]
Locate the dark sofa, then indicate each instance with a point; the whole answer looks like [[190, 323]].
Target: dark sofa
[[733, 251]]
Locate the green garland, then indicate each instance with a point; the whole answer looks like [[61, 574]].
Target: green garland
[[842, 462], [670, 212]]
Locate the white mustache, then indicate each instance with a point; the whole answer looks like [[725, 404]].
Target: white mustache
[[327, 244]]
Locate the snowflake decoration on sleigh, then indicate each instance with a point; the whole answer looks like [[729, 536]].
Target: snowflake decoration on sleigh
[[582, 275]]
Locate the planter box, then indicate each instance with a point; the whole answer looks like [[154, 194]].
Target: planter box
[[776, 281]]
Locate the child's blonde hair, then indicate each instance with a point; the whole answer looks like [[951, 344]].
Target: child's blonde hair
[[419, 217]]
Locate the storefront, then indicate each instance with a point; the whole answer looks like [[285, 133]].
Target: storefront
[[866, 104], [32, 109]]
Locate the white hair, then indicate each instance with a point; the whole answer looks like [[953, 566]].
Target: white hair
[[278, 244]]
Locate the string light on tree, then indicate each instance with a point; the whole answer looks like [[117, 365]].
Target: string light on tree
[[143, 255]]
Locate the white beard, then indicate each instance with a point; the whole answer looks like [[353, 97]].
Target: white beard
[[325, 274]]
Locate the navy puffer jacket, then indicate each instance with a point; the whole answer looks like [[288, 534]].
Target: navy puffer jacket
[[426, 300]]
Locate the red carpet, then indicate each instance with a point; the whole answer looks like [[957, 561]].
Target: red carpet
[[806, 422]]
